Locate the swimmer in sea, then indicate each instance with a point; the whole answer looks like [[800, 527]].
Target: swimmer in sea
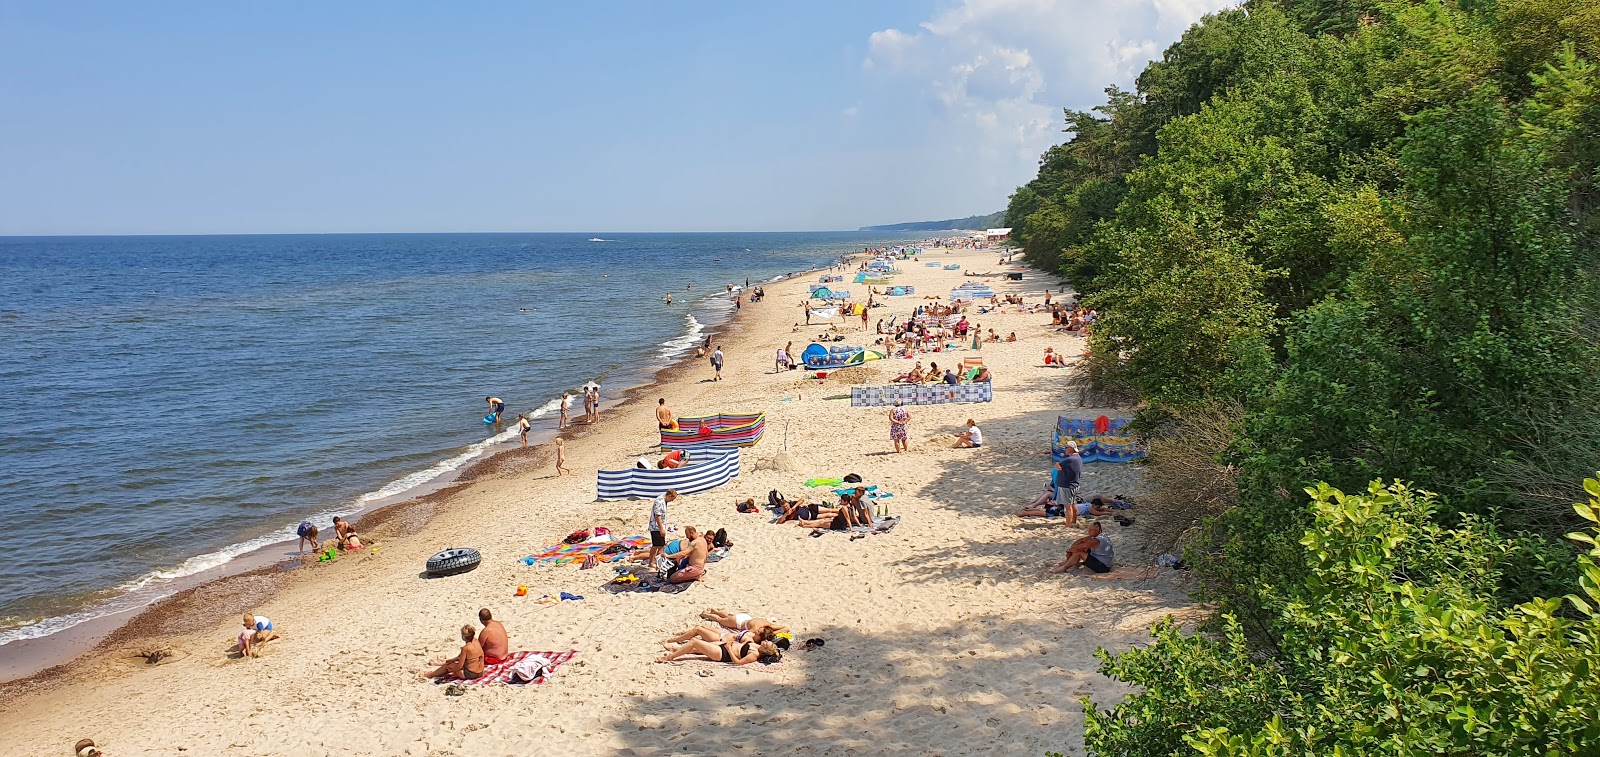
[[669, 299]]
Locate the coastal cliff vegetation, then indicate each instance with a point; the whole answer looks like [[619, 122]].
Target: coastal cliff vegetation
[[1346, 242]]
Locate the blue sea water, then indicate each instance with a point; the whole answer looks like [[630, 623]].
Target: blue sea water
[[169, 403]]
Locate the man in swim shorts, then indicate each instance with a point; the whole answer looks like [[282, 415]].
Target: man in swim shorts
[[665, 420], [496, 406]]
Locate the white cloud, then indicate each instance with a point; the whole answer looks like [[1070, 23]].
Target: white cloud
[[998, 72]]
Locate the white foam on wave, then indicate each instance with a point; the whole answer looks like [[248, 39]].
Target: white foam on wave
[[681, 344], [155, 585]]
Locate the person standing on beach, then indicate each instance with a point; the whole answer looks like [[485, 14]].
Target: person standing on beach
[[806, 307], [1067, 476], [566, 404], [863, 317], [561, 457], [664, 417], [594, 413], [522, 428], [738, 303], [899, 419], [658, 524], [716, 363]]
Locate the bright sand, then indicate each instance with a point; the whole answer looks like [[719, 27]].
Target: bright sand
[[944, 637]]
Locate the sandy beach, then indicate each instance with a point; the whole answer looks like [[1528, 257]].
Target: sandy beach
[[945, 636]]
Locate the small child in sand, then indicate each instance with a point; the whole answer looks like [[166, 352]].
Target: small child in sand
[[257, 630], [561, 457]]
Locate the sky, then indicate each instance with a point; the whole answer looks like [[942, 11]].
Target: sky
[[316, 117]]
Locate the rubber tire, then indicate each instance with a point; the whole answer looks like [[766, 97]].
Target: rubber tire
[[453, 561]]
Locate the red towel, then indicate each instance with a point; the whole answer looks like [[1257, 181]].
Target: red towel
[[501, 672]]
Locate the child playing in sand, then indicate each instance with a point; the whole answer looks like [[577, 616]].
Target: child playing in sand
[[257, 631], [561, 457]]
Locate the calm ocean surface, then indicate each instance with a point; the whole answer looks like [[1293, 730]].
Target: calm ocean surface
[[170, 403]]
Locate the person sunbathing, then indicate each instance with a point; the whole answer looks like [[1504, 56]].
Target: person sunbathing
[[740, 621], [1012, 337], [257, 631], [799, 510], [730, 652], [493, 638], [467, 664], [1050, 509], [718, 635], [982, 376]]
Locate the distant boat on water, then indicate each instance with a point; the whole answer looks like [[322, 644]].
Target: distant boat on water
[[598, 239]]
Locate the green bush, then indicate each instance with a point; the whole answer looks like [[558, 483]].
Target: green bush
[[1396, 643]]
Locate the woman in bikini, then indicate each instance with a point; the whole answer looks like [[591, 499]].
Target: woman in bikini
[[468, 664], [731, 652], [743, 622], [717, 635]]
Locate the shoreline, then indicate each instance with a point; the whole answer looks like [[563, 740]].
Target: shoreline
[[24, 662], [945, 635]]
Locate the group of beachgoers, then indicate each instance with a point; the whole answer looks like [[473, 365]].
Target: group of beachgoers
[[1072, 317], [948, 376], [733, 638], [479, 649], [851, 511], [1059, 499]]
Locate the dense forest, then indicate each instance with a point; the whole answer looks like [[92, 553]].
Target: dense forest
[[1345, 256], [949, 224]]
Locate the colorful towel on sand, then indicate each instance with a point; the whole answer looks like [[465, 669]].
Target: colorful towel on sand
[[561, 554], [504, 672]]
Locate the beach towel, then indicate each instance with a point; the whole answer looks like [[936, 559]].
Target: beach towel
[[562, 553], [520, 667]]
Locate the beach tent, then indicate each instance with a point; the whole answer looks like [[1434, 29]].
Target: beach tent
[[726, 430], [824, 314], [817, 356], [971, 291], [902, 291], [708, 468]]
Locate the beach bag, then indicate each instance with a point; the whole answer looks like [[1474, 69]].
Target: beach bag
[[852, 479], [581, 535]]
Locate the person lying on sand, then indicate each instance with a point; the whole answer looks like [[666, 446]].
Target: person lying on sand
[[493, 638], [730, 652], [467, 664], [1096, 507], [257, 631], [798, 510], [1092, 551], [743, 621], [717, 635]]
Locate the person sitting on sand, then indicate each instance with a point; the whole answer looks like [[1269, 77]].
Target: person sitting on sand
[[493, 639], [983, 376], [348, 538], [467, 664], [1012, 337], [307, 533], [950, 377], [692, 567], [257, 631], [1092, 551], [972, 437], [730, 652]]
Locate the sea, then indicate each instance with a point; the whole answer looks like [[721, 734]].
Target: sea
[[171, 403]]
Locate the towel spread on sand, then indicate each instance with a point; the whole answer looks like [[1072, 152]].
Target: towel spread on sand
[[522, 667], [561, 554]]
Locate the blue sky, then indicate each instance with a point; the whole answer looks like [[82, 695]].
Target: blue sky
[[135, 118]]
